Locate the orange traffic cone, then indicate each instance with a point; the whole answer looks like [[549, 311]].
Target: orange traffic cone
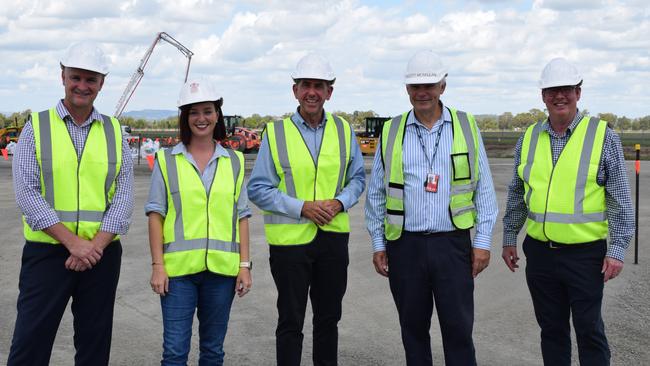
[[150, 161]]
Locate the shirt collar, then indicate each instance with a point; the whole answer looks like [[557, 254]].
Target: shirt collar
[[445, 116], [219, 150], [569, 130], [63, 113], [298, 120]]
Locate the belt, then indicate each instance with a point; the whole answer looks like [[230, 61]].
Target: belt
[[556, 245]]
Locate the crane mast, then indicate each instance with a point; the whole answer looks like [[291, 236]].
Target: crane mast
[[139, 72]]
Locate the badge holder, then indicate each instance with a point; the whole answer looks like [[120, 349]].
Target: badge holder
[[431, 184]]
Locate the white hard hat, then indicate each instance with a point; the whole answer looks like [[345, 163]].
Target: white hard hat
[[86, 55], [559, 72], [197, 91], [313, 66], [425, 67]]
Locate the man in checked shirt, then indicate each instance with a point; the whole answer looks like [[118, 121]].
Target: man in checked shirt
[[73, 180], [570, 187]]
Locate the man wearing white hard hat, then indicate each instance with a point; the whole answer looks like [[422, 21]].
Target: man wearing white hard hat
[[308, 174], [73, 179], [570, 188], [430, 184]]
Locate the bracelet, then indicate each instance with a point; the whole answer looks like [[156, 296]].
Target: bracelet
[[156, 263]]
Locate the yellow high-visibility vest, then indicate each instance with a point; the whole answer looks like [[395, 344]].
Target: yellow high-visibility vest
[[302, 178], [81, 188], [201, 230], [465, 172], [565, 203]]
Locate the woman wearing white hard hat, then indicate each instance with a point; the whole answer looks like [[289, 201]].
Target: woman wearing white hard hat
[[198, 229]]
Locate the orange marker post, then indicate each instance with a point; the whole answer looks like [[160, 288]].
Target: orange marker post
[[637, 166], [150, 161], [5, 154]]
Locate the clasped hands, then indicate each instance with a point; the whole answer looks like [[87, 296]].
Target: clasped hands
[[321, 212], [84, 254]]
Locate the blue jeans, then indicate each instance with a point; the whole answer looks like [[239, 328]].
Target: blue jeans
[[212, 295]]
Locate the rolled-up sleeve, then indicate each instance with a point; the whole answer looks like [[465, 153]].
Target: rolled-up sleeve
[[117, 217]]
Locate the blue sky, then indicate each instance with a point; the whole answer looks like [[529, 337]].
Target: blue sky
[[495, 50]]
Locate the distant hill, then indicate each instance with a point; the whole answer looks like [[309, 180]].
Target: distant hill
[[151, 114]]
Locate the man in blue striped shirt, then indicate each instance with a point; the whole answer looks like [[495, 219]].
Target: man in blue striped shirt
[[421, 240]]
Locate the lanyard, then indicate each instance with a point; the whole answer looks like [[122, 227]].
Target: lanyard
[[435, 148]]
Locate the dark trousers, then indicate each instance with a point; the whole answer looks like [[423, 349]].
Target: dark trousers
[[427, 268], [319, 269], [45, 288], [562, 282]]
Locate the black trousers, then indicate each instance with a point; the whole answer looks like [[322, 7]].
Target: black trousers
[[45, 288], [427, 268], [319, 269], [567, 282]]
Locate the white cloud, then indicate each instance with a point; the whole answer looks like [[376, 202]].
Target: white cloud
[[495, 50]]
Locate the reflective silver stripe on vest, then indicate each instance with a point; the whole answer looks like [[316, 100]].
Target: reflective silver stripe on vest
[[463, 188], [396, 220], [461, 210], [45, 136], [180, 244], [283, 156], [83, 215], [45, 130], [583, 168], [390, 145], [184, 245], [397, 193], [236, 165], [469, 139], [109, 132], [342, 152], [534, 138], [568, 218], [281, 219], [172, 177]]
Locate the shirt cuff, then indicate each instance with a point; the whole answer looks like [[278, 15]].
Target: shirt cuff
[[43, 222], [616, 252], [117, 228], [378, 244], [482, 241], [509, 239]]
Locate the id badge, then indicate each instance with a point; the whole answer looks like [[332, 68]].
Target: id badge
[[431, 185]]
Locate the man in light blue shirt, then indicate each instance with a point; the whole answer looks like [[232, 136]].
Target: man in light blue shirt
[[430, 255], [308, 174]]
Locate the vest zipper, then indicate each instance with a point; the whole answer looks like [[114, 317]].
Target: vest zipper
[[79, 156]]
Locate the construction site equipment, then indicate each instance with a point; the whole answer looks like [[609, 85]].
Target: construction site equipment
[[240, 138], [369, 139], [9, 134], [313, 66], [139, 72], [86, 55], [425, 67], [559, 72]]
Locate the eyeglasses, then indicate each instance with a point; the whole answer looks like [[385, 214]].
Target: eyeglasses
[[551, 92]]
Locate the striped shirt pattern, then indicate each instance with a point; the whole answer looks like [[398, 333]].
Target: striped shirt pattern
[[426, 211], [611, 174], [27, 178]]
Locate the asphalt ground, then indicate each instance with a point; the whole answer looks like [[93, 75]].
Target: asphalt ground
[[505, 331]]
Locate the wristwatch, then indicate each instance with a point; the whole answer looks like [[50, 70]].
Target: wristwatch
[[248, 264]]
